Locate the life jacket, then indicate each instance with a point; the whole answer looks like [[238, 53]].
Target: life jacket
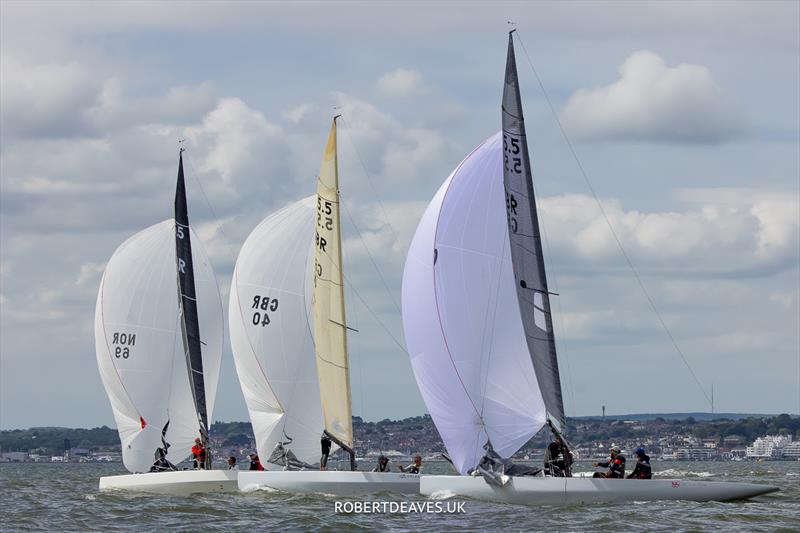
[[616, 466], [413, 468], [643, 469], [199, 452]]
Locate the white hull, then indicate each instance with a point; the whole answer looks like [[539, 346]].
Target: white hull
[[578, 491], [336, 482], [182, 482]]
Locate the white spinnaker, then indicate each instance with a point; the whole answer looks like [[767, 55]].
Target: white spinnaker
[[275, 361], [461, 317], [139, 296]]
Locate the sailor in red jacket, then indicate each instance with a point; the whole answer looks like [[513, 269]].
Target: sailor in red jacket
[[615, 465], [199, 454]]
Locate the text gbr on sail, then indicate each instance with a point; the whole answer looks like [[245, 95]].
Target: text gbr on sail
[[263, 304]]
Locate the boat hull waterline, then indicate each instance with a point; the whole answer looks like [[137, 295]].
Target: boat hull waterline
[[182, 482], [336, 482], [578, 491]]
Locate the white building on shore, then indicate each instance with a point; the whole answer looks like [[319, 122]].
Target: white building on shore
[[769, 447], [792, 450]]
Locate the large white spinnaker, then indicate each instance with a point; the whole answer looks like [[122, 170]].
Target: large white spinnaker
[[461, 318], [271, 331], [140, 348]]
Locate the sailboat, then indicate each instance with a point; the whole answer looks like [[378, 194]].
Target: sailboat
[[478, 326], [158, 340], [289, 337]]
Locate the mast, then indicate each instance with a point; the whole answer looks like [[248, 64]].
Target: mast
[[190, 327], [526, 247], [330, 325]]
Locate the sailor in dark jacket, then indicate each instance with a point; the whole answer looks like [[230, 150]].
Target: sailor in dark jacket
[[615, 465], [642, 470], [325, 444]]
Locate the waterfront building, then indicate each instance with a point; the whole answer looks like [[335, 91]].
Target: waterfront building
[[695, 454], [792, 450], [768, 447], [14, 457]]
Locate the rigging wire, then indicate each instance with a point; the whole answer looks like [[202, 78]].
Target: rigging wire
[[383, 211], [369, 254], [564, 350], [608, 222], [366, 305], [369, 179], [217, 219]]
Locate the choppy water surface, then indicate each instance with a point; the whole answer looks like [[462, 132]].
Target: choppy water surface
[[64, 497]]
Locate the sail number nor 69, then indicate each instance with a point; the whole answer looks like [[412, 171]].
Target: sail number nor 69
[[123, 342]]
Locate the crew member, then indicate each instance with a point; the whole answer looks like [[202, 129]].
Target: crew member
[[615, 465], [232, 463], [558, 459], [199, 454], [383, 464], [413, 468], [255, 462], [325, 444], [642, 470], [161, 462]]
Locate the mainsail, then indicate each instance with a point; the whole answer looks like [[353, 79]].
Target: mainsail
[[330, 329], [271, 331], [526, 245], [190, 325], [139, 345]]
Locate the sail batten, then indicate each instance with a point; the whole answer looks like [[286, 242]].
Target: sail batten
[[526, 244], [330, 329]]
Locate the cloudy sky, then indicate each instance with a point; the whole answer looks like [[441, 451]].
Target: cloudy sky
[[685, 116]]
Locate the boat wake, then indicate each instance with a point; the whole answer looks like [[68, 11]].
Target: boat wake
[[672, 472], [442, 495], [258, 488]]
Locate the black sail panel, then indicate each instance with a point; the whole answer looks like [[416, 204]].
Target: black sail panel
[[189, 322], [526, 245]]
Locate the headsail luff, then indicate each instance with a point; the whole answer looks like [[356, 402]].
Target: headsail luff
[[330, 330], [526, 245], [188, 301]]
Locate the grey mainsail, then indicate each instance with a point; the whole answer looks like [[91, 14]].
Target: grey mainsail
[[526, 245], [188, 298]]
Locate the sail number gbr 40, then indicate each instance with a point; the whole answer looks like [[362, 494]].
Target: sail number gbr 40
[[263, 304]]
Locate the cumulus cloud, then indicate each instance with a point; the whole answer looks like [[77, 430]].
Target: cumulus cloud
[[71, 101], [46, 100], [400, 82], [759, 233], [299, 113], [392, 152], [655, 102]]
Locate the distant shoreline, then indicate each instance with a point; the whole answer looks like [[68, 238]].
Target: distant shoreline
[[699, 416]]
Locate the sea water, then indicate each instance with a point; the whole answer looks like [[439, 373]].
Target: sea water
[[64, 497]]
